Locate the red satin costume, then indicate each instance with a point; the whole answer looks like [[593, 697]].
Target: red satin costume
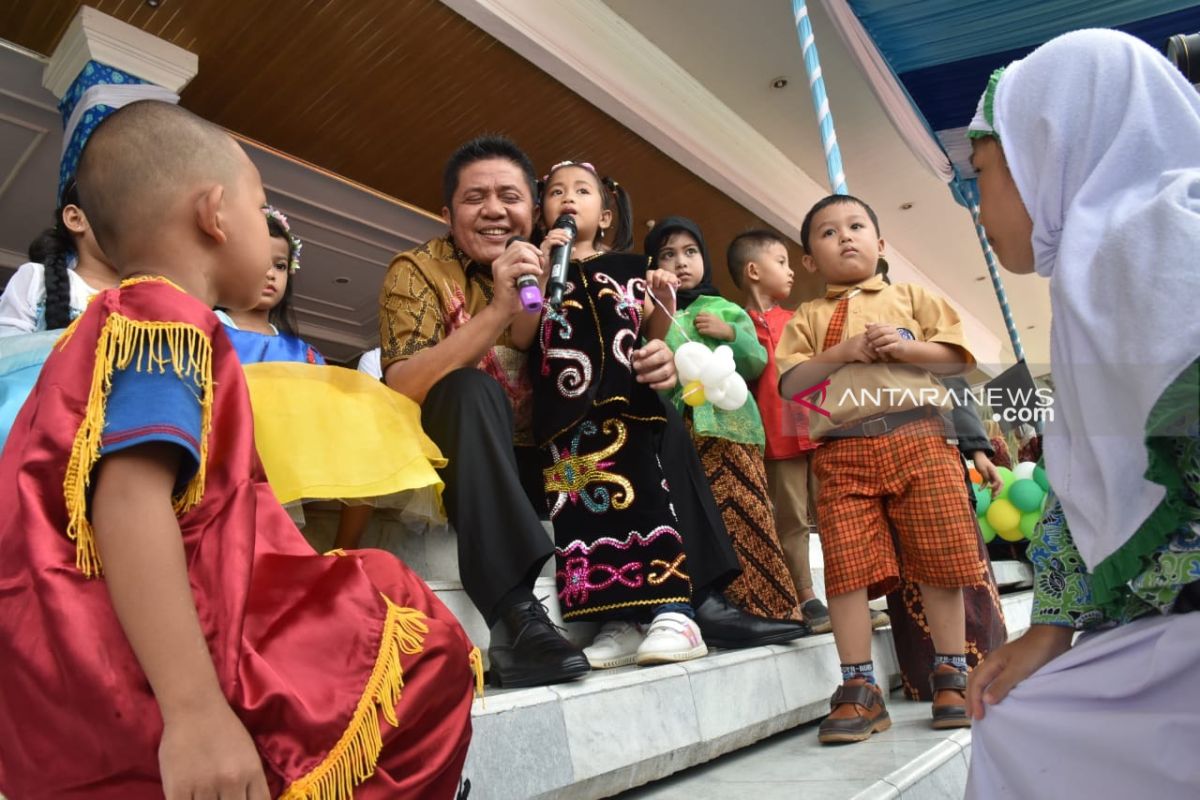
[[351, 676]]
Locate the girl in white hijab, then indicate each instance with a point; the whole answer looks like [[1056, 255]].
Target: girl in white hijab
[[1088, 154]]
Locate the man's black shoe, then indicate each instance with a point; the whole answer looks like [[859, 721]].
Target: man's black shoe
[[528, 650], [725, 625]]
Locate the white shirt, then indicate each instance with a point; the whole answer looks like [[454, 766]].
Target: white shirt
[[23, 304], [228, 322], [369, 363]]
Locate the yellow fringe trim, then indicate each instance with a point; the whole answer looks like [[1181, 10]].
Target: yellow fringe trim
[[124, 342], [69, 331], [352, 760]]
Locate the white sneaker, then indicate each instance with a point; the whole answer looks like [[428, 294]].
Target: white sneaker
[[672, 637], [616, 645]]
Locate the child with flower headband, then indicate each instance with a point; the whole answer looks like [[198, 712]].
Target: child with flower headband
[[267, 332], [1088, 160], [619, 552], [327, 433]]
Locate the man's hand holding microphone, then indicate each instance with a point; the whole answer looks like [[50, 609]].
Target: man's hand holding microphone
[[523, 272]]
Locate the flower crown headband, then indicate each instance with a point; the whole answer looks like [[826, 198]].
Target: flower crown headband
[[608, 182], [294, 243]]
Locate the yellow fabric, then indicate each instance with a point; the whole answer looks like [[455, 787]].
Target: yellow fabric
[[326, 432], [928, 316]]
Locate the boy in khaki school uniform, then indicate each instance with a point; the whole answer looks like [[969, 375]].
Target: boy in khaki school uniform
[[885, 461]]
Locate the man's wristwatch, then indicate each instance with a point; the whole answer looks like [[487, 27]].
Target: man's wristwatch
[[905, 333]]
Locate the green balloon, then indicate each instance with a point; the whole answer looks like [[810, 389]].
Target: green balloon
[[1039, 475], [1026, 495], [985, 527], [1008, 478], [983, 499], [1029, 522]]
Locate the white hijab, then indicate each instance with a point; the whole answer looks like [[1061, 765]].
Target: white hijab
[[1102, 135]]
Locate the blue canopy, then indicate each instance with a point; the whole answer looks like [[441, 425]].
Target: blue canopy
[[943, 51]]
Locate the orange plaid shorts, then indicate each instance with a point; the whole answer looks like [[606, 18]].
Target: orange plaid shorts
[[910, 479]]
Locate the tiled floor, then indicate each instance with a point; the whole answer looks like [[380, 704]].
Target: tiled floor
[[794, 765]]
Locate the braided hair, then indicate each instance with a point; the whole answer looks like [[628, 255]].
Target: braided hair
[[53, 249]]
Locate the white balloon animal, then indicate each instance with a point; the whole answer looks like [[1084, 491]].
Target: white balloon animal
[[715, 371]]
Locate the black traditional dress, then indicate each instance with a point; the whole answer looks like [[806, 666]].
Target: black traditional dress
[[618, 551]]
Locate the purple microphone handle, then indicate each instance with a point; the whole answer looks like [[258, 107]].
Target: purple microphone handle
[[531, 297], [527, 288]]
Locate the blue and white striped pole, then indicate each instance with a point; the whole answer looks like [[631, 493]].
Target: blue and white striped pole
[[816, 84], [971, 193], [837, 176]]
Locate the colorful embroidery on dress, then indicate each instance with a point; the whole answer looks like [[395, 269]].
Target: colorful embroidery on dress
[[573, 472], [576, 578]]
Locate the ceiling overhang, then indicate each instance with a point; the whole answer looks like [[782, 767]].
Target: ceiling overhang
[[616, 68]]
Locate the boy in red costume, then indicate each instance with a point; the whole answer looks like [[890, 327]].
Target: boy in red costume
[[167, 630]]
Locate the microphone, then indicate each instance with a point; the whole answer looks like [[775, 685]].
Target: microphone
[[527, 286], [560, 256]]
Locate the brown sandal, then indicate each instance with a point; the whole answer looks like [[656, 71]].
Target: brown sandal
[[871, 714], [954, 713]]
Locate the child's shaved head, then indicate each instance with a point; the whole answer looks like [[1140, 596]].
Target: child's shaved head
[[140, 162]]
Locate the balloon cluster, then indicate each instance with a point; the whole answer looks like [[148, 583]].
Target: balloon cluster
[[710, 376], [1017, 509]]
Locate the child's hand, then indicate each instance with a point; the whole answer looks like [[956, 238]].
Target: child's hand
[[886, 341], [208, 753], [663, 284], [654, 364], [711, 325], [988, 470], [1006, 667], [555, 237], [858, 349]]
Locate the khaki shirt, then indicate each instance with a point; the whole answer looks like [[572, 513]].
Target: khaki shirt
[[860, 391], [431, 291]]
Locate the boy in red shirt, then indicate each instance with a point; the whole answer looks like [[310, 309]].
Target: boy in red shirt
[[758, 263]]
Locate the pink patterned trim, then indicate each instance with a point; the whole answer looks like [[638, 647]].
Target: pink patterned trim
[[634, 538]]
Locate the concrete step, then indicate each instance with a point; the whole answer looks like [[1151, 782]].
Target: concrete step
[[909, 761], [619, 729]]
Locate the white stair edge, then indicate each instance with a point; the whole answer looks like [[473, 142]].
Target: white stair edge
[[945, 764], [1012, 573]]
